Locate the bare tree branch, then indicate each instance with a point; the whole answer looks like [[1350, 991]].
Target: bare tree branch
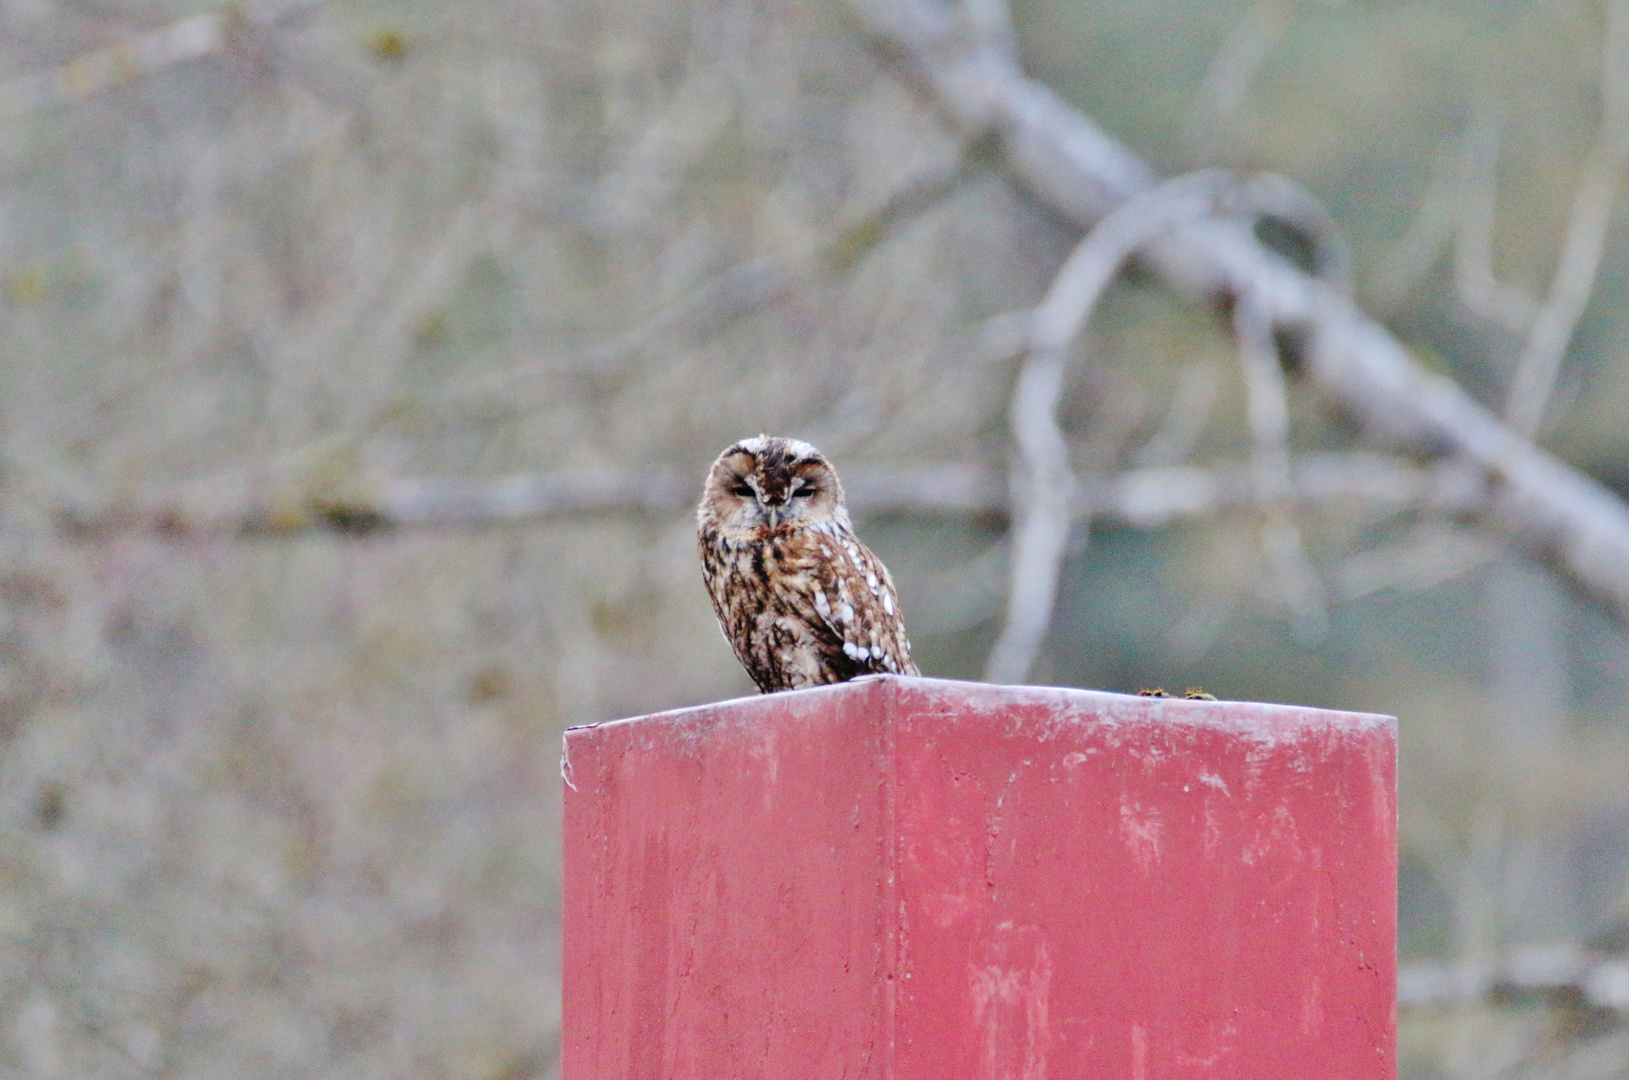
[[1268, 412], [1267, 408], [1068, 162], [1044, 490], [1432, 553], [1413, 254], [1142, 498], [1269, 195], [1580, 261], [1483, 294], [1566, 973], [1223, 92], [1184, 422], [141, 55], [1460, 207], [717, 301], [92, 72]]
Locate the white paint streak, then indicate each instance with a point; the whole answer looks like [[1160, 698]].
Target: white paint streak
[[1280, 837], [1213, 830], [1140, 826], [1139, 1052], [1312, 1006], [1011, 993]]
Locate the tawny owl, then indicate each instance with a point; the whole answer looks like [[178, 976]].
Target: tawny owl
[[800, 599]]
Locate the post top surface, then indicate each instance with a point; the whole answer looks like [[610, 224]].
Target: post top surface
[[1261, 720]]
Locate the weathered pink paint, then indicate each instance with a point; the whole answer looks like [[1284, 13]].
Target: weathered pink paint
[[912, 879]]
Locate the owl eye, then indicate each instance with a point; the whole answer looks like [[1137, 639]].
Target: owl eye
[[743, 490], [804, 493]]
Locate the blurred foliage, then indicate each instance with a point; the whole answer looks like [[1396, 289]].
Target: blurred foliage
[[289, 806]]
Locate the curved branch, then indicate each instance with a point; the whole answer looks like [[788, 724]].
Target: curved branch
[[1072, 165], [1045, 489], [1270, 195]]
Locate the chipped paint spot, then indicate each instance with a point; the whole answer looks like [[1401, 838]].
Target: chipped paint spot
[[565, 762]]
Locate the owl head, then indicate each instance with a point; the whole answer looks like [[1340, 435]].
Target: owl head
[[766, 486]]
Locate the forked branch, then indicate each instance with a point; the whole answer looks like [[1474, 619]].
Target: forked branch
[[1547, 507]]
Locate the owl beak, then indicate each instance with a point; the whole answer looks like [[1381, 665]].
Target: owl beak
[[774, 516]]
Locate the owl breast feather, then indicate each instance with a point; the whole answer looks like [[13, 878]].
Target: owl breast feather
[[806, 608]]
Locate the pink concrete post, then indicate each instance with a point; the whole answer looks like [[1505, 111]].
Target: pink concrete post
[[912, 879]]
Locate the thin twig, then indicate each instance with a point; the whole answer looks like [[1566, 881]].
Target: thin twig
[[139, 56], [1416, 251], [1184, 422], [1460, 207], [1580, 262], [1267, 409], [1222, 93], [1270, 195], [1431, 554], [729, 295], [1044, 488], [1483, 294]]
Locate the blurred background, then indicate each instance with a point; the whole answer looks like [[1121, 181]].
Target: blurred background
[[360, 363]]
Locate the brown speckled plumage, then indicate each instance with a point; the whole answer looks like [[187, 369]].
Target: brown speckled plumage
[[799, 598]]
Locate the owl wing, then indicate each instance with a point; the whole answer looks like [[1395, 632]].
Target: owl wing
[[848, 594]]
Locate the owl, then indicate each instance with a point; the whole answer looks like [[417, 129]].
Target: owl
[[799, 598]]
